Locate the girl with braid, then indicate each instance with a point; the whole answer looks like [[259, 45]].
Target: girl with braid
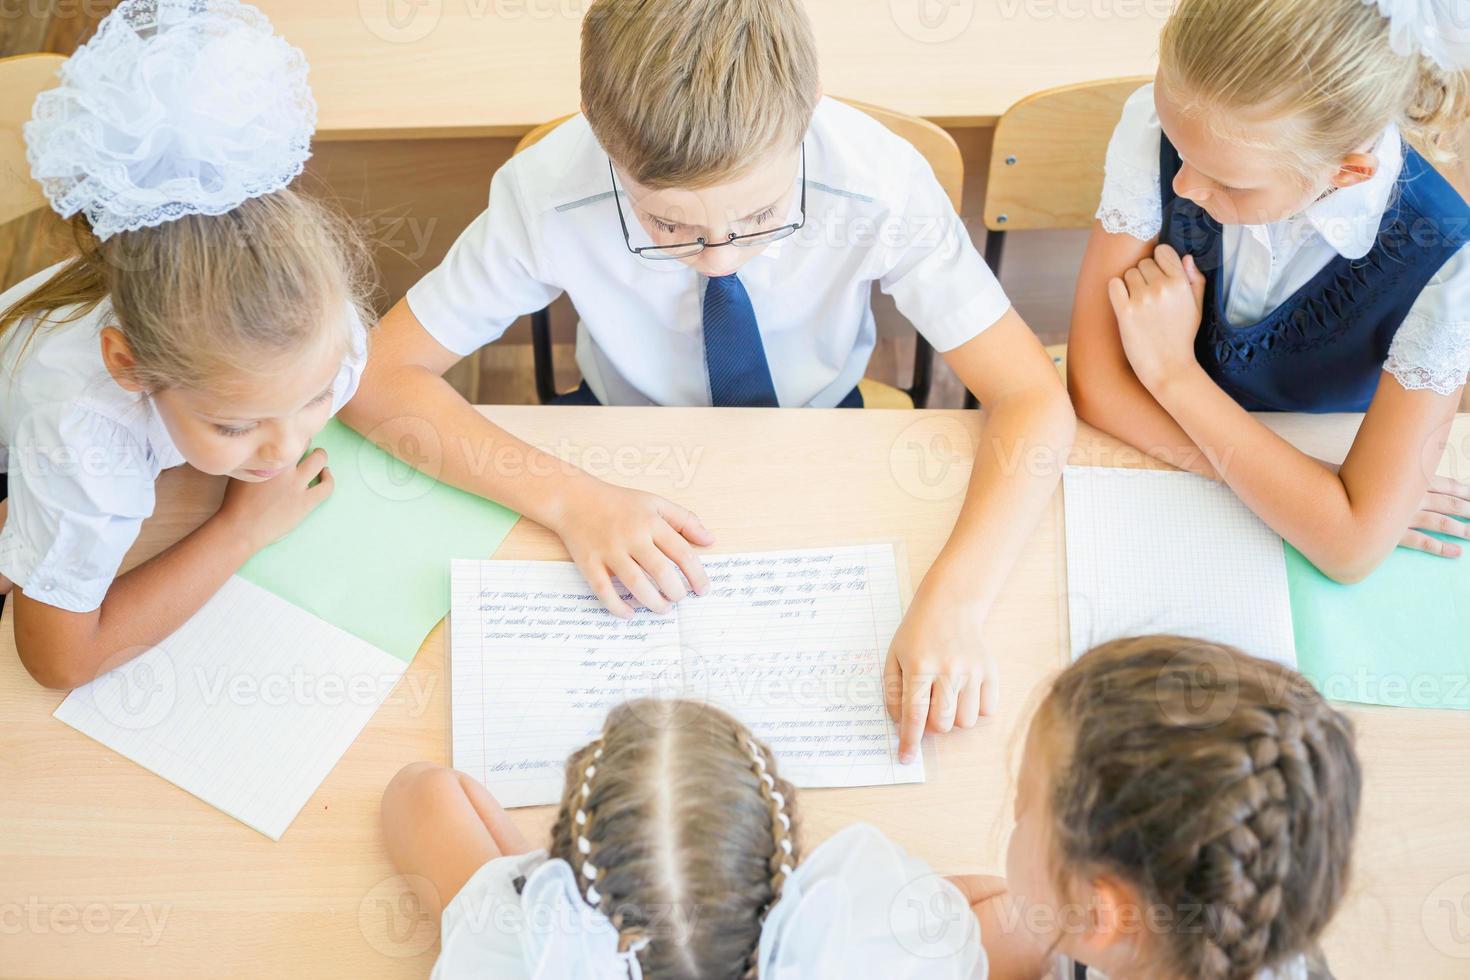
[[674, 856], [1184, 811]]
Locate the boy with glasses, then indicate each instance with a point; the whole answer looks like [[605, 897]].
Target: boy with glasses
[[719, 226]]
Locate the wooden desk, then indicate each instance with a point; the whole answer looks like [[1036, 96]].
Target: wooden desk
[[108, 871], [425, 68]]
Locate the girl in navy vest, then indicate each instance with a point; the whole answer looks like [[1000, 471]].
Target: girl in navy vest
[[1268, 241]]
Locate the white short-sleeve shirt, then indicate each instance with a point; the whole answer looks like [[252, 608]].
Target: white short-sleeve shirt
[[875, 214], [82, 454], [1265, 264], [857, 905]]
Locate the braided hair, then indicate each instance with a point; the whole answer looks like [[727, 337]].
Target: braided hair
[[1222, 787], [679, 829]]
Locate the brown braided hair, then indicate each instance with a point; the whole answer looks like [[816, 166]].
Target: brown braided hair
[[680, 830], [1222, 787]]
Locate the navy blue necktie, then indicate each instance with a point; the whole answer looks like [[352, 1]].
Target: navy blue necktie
[[739, 376]]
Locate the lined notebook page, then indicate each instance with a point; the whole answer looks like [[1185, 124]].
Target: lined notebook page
[[792, 643], [247, 706], [1152, 551]]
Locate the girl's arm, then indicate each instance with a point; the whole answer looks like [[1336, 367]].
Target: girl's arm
[[1345, 522], [404, 403], [937, 672], [440, 827], [1012, 951], [64, 650], [1107, 393]]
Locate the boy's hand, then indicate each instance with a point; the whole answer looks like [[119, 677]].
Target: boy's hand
[[642, 539], [271, 509], [1158, 305], [938, 674]]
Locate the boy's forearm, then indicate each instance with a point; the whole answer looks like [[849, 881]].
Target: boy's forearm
[[1023, 447], [449, 439]]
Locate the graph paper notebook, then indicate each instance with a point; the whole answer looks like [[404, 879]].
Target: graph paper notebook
[[790, 642], [1152, 551]]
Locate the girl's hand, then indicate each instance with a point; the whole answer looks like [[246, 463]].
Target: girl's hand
[[271, 509], [642, 539], [1445, 500], [938, 674], [1158, 305]]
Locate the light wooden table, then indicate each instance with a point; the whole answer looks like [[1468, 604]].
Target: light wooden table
[[427, 68], [108, 871]]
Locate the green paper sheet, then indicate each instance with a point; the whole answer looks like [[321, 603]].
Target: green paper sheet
[[1401, 637], [374, 558]]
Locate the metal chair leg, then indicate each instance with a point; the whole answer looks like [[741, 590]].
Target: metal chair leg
[[541, 354]]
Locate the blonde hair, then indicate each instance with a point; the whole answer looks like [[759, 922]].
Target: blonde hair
[[208, 299], [1220, 786], [680, 830], [689, 94], [1326, 63]]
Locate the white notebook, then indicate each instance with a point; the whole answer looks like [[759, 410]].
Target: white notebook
[[1154, 551], [790, 642], [247, 706]]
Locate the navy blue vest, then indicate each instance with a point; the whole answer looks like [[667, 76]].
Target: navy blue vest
[[1323, 349]]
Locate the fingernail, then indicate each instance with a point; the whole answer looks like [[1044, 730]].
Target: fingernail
[[905, 758]]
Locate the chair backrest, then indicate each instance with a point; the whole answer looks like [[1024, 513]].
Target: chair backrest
[[936, 146], [22, 78], [1046, 168]]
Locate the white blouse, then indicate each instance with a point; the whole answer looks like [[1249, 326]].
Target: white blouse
[[82, 454], [857, 906], [1265, 264]]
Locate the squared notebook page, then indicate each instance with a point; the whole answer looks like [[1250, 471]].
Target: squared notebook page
[[1152, 551], [247, 706], [790, 642]]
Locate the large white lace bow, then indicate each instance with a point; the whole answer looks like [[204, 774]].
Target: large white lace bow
[[1438, 29], [176, 107], [859, 906], [563, 936]]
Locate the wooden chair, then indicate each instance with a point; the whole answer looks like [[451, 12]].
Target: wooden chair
[[937, 146], [1046, 166], [22, 78]]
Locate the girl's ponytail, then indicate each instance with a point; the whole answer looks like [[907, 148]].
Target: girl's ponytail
[[1435, 119]]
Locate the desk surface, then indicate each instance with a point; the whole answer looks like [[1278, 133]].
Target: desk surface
[[395, 68], [108, 871]]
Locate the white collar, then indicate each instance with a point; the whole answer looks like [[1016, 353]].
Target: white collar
[[1348, 219]]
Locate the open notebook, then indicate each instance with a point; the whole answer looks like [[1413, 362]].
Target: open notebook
[[1152, 551], [790, 642], [251, 703], [1168, 552]]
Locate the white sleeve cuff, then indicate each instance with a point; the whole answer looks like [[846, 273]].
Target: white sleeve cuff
[[1427, 355], [1131, 202]]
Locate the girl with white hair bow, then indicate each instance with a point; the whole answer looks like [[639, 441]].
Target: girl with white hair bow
[[212, 316]]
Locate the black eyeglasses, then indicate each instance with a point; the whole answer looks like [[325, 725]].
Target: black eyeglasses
[[688, 249]]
